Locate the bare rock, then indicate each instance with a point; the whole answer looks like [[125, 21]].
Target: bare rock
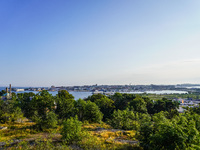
[[3, 128]]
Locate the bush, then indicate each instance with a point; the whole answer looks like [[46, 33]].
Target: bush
[[124, 119], [88, 111], [50, 121], [71, 131], [177, 133]]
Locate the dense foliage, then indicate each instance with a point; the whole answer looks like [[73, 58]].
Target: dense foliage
[[181, 132], [71, 130], [105, 104], [88, 111]]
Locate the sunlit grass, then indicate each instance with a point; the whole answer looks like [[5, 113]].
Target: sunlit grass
[[94, 136], [94, 126], [16, 131]]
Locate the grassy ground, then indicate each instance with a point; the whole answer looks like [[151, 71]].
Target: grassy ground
[[95, 136], [16, 131]]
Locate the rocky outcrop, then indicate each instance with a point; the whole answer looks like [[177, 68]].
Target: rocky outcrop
[[3, 128]]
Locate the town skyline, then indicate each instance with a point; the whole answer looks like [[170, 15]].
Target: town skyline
[[99, 85]]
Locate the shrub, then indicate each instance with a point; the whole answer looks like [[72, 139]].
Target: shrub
[[88, 111], [71, 131], [124, 119], [50, 121]]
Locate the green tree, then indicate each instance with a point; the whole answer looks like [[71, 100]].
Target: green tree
[[2, 92], [65, 94], [159, 105], [149, 105], [80, 108], [94, 97], [42, 102], [105, 104], [1, 109], [9, 111], [24, 100], [42, 108], [88, 111], [71, 131], [177, 133], [124, 119], [121, 100], [51, 120], [65, 105], [138, 105], [166, 105]]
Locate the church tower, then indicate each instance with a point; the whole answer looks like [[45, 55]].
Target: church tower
[[10, 90]]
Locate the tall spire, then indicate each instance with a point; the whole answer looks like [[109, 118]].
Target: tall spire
[[10, 90]]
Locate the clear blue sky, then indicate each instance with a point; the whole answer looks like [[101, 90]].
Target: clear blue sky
[[84, 42]]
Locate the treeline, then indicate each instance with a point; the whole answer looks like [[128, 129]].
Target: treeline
[[93, 109], [187, 96], [157, 122]]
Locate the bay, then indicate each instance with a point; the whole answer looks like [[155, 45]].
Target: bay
[[82, 95], [158, 92], [77, 95]]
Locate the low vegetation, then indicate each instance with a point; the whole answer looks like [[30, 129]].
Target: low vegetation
[[120, 121]]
